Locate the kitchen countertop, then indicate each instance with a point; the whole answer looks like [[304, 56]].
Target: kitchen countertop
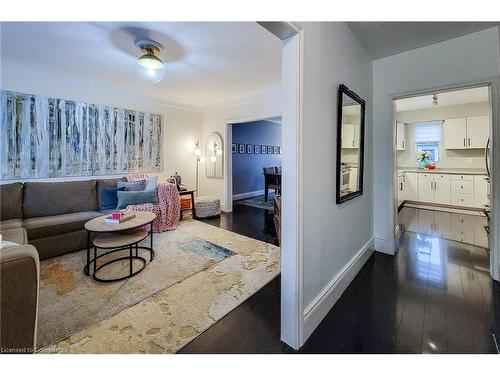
[[475, 171]]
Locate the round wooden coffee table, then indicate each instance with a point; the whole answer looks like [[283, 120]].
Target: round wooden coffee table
[[118, 237]]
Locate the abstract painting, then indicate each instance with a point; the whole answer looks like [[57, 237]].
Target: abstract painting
[[47, 137]]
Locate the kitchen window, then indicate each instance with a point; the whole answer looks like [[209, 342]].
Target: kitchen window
[[432, 147], [427, 137]]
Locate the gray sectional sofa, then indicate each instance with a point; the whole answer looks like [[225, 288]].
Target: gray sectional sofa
[[45, 219], [52, 213]]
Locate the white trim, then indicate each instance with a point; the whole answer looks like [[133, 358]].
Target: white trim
[[248, 194], [321, 305], [292, 239], [228, 171], [384, 246], [494, 85]]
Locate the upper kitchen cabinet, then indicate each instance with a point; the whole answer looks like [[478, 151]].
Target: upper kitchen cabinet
[[478, 131], [455, 133], [466, 132], [400, 136], [350, 136]]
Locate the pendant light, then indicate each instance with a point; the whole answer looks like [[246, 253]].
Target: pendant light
[[150, 67]]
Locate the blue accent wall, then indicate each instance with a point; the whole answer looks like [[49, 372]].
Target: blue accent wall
[[247, 168]]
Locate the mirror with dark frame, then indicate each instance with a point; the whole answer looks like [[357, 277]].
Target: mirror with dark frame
[[350, 144]]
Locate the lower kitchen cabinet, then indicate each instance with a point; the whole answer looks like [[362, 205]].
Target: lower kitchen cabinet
[[443, 188], [434, 188]]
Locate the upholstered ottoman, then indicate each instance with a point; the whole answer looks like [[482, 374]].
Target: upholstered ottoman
[[207, 206]]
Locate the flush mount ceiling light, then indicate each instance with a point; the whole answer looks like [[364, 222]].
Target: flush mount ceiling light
[[434, 99], [150, 66]]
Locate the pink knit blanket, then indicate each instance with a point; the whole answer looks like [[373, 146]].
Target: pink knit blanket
[[167, 209]]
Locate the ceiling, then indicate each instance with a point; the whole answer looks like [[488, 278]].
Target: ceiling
[[382, 39], [208, 63], [445, 99]]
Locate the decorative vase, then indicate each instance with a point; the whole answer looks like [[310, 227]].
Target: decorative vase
[[422, 163]]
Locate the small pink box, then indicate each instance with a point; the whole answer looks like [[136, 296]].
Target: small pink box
[[116, 215]]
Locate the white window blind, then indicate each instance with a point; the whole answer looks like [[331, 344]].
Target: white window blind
[[426, 132]]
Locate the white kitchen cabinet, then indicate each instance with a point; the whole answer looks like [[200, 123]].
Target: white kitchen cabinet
[[407, 186], [466, 132], [350, 136], [481, 191], [434, 188], [455, 133], [442, 189], [425, 190], [400, 136], [411, 186], [353, 179], [462, 199], [478, 131]]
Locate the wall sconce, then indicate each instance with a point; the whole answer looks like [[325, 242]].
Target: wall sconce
[[199, 159]]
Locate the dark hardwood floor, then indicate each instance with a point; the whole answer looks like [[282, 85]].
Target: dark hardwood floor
[[248, 221], [433, 296]]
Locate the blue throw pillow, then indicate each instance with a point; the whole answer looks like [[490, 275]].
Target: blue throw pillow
[[126, 198], [132, 185], [109, 198]]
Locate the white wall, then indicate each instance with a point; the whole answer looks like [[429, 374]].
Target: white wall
[[333, 235], [472, 158], [264, 106], [181, 125], [469, 59]]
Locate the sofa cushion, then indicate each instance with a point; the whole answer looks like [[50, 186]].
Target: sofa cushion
[[132, 185], [126, 198], [109, 198], [11, 201], [17, 235], [47, 226], [56, 198], [11, 224], [104, 183]]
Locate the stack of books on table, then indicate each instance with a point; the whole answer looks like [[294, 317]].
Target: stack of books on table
[[119, 217]]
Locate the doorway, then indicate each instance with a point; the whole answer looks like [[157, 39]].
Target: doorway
[[442, 172]]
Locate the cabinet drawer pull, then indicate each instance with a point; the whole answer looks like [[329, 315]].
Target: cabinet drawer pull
[[464, 142]]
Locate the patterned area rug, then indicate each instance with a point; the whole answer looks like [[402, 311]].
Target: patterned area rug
[[259, 202], [70, 301], [445, 209], [174, 316]]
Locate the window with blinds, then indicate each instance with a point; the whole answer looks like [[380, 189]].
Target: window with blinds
[[427, 137]]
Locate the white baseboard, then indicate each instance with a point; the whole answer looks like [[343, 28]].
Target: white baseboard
[[248, 194], [321, 305], [384, 246]]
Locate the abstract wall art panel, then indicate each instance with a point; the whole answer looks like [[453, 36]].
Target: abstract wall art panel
[[45, 137]]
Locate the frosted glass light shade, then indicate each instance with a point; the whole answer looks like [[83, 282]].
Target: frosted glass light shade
[[150, 74]]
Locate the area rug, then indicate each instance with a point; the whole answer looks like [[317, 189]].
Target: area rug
[[259, 202], [170, 319], [69, 301], [445, 209]]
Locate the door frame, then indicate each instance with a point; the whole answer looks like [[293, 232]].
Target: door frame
[[493, 85], [228, 172], [292, 242]]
